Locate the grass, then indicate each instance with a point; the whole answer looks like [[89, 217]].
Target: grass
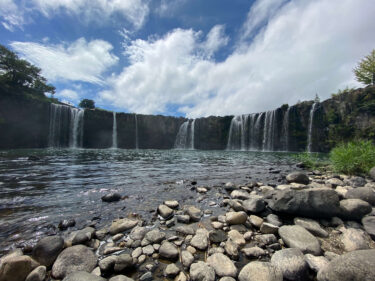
[[313, 161], [356, 157]]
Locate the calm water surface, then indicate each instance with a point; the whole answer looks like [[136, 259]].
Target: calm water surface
[[36, 195]]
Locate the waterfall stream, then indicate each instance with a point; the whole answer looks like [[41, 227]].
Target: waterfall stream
[[310, 129], [114, 131], [185, 136], [286, 130]]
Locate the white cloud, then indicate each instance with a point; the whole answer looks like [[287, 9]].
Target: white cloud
[[134, 11], [11, 16], [71, 95], [168, 8], [78, 61], [306, 47]]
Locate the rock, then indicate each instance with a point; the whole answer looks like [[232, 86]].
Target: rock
[[122, 225], [171, 270], [118, 237], [235, 218], [217, 236], [354, 209], [352, 266], [222, 265], [372, 173], [145, 277], [138, 233], [38, 274], [65, 224], [236, 237], [201, 271], [230, 186], [183, 218], [256, 271], [168, 250], [266, 239], [335, 182], [268, 228], [274, 219], [181, 277], [298, 177], [82, 236], [227, 279], [369, 225], [14, 267], [312, 226], [330, 255], [111, 197], [201, 189], [364, 193], [314, 203], [255, 204], [121, 278], [256, 221], [240, 194], [354, 239], [155, 236], [165, 211], [107, 263], [292, 263], [123, 261], [316, 263], [82, 276], [186, 258], [171, 204], [357, 181], [231, 249], [76, 258], [33, 158], [47, 249], [254, 252], [148, 250], [295, 236], [200, 239], [194, 213]]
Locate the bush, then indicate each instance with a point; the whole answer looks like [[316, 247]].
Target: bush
[[355, 157], [313, 161]]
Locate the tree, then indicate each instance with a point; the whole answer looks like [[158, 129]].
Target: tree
[[365, 71], [87, 104], [16, 73]]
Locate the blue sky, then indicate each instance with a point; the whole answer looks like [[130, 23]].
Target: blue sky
[[191, 57]]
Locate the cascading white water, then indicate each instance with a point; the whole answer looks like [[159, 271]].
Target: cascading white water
[[236, 133], [192, 135], [286, 130], [136, 131], [114, 131], [181, 138], [269, 131], [310, 131], [76, 126]]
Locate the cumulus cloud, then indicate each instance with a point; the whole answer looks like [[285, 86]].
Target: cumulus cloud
[[11, 16], [78, 61], [134, 11], [68, 94], [301, 48]]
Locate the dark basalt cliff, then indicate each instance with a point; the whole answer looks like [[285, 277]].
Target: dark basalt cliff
[[26, 122]]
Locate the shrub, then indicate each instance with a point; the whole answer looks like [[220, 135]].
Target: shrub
[[313, 161], [355, 157]]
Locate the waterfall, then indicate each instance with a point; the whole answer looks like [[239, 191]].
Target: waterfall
[[236, 139], [310, 131], [192, 135], [76, 127], [136, 131], [114, 131], [65, 126], [269, 131], [286, 130], [181, 138]]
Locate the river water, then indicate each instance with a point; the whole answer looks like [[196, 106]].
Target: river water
[[69, 184]]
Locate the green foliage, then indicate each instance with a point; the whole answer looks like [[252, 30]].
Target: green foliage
[[17, 74], [343, 91], [353, 157], [365, 71], [285, 106], [313, 161], [87, 104]]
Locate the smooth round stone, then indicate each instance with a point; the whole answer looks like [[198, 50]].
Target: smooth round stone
[[122, 225], [111, 197], [38, 274], [364, 193], [47, 249], [268, 228], [186, 258], [298, 177], [171, 270], [255, 204], [222, 265], [155, 236], [201, 271], [172, 204], [82, 276], [235, 218], [256, 271], [354, 239], [316, 263], [217, 236], [369, 225], [120, 278], [194, 213], [354, 209], [168, 250], [254, 252], [312, 226], [295, 236], [236, 237], [292, 263], [200, 239], [165, 211], [16, 267]]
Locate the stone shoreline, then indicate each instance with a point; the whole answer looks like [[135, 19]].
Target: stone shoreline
[[313, 227]]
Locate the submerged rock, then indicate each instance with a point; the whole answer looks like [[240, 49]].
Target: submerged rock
[[111, 197]]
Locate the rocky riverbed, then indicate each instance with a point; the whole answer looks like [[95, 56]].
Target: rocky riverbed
[[311, 226]]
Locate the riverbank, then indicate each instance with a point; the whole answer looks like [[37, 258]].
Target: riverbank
[[309, 226]]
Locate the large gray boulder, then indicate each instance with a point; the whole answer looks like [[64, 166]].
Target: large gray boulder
[[82, 276], [312, 226], [369, 225], [47, 250], [372, 173], [16, 267], [255, 204], [256, 271], [364, 193], [201, 271], [298, 177], [38, 274], [200, 239], [168, 250], [295, 236], [122, 225], [222, 265], [354, 239], [354, 209], [292, 263], [353, 266], [72, 259], [312, 202]]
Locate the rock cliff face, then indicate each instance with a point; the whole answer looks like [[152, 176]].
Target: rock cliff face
[[30, 123]]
